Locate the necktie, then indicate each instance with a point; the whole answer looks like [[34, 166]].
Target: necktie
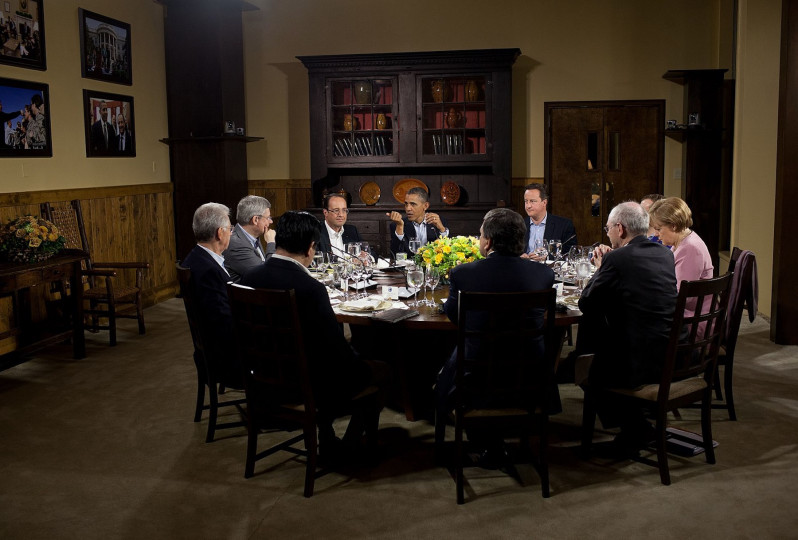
[[258, 251]]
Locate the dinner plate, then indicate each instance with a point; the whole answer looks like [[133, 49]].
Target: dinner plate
[[370, 193], [401, 188], [450, 193], [365, 305]]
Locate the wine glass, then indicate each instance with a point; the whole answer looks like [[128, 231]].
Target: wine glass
[[541, 250], [415, 278], [345, 271], [432, 279], [582, 273], [555, 249], [414, 245], [318, 261], [353, 248]]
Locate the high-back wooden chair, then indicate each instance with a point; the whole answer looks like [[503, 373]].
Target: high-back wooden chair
[[270, 346], [743, 295], [506, 351], [206, 372], [107, 299], [688, 371]]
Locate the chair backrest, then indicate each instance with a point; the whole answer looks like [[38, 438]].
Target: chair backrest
[[270, 346], [506, 348], [695, 340], [743, 264], [68, 217]]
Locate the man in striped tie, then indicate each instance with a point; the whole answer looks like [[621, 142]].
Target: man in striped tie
[[253, 216]]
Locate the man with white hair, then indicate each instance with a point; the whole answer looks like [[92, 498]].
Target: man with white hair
[[245, 252], [627, 310]]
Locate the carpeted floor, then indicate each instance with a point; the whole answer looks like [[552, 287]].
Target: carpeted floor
[[105, 447]]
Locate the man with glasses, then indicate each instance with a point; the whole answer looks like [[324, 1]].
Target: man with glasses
[[627, 310], [544, 226], [253, 216], [335, 233]]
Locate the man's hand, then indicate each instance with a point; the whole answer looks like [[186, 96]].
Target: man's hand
[[269, 235], [599, 252], [434, 220], [396, 217], [532, 257]]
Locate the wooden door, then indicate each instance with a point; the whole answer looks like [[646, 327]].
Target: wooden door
[[599, 154]]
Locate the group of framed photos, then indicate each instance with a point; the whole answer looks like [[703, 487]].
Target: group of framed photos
[[105, 55]]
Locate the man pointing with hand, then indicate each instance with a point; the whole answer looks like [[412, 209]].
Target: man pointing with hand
[[418, 223]]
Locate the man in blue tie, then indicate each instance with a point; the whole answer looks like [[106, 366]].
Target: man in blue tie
[[253, 217]]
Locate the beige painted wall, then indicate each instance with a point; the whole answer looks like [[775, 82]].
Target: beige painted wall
[[69, 167]]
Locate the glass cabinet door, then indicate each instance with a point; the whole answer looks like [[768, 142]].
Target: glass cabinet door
[[454, 122], [362, 120]]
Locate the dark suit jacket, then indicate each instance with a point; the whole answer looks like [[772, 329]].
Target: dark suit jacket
[[627, 312], [210, 283], [402, 246], [350, 235], [98, 139], [496, 273], [557, 227], [336, 373], [240, 256]]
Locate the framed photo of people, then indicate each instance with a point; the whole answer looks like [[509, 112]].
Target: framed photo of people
[[25, 114], [22, 33], [105, 52], [109, 125]]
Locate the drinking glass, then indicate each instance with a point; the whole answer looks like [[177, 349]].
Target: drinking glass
[[353, 248], [414, 246], [555, 249], [432, 279], [415, 278], [318, 261], [345, 271], [541, 250], [582, 273]]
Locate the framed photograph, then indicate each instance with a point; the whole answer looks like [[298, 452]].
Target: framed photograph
[[110, 129], [25, 114], [104, 48], [22, 33]]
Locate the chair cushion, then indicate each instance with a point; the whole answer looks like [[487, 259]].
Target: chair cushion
[[678, 389]]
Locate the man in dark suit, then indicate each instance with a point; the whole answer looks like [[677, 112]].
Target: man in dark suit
[[124, 138], [335, 233], [418, 224], [103, 136], [253, 217], [501, 242], [627, 310], [337, 374], [212, 228], [542, 225]]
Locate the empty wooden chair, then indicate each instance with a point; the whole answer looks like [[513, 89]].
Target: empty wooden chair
[[207, 376], [501, 387], [688, 371], [107, 298]]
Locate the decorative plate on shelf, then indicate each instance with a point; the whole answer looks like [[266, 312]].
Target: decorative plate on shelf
[[450, 193], [403, 186], [370, 193]]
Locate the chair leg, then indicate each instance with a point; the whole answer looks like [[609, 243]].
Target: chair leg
[[311, 445], [112, 325], [252, 449], [588, 422], [458, 461], [440, 435], [213, 409], [543, 460], [200, 399], [140, 314], [662, 453], [706, 426], [718, 392], [727, 384]]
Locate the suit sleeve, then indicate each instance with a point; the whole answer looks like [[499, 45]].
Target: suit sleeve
[[450, 306], [398, 246], [240, 258]]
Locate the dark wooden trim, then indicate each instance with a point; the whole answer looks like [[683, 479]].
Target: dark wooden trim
[[36, 197]]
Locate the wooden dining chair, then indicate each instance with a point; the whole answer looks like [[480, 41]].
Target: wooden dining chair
[[207, 374], [500, 388], [107, 298], [688, 371], [270, 346]]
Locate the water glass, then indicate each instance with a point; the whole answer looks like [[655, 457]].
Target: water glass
[[433, 277], [415, 279], [414, 246]]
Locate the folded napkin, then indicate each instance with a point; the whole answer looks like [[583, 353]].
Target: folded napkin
[[359, 285], [371, 303]]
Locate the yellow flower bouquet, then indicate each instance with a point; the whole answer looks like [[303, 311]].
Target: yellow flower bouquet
[[29, 239], [445, 253]]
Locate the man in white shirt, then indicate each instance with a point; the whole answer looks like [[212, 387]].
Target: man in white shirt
[[418, 224], [335, 232]]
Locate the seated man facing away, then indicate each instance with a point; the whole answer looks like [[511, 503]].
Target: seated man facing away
[[627, 310], [501, 242], [212, 228], [253, 216], [418, 223], [544, 226], [336, 373]]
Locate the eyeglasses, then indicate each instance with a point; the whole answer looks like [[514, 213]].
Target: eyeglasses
[[339, 211], [265, 217], [608, 227]]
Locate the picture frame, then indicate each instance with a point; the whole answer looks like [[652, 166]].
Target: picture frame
[[26, 105], [22, 41], [108, 135], [105, 48]]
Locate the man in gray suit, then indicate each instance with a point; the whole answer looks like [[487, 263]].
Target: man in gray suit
[[253, 216]]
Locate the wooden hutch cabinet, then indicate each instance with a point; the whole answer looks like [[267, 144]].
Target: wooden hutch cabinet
[[438, 117]]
